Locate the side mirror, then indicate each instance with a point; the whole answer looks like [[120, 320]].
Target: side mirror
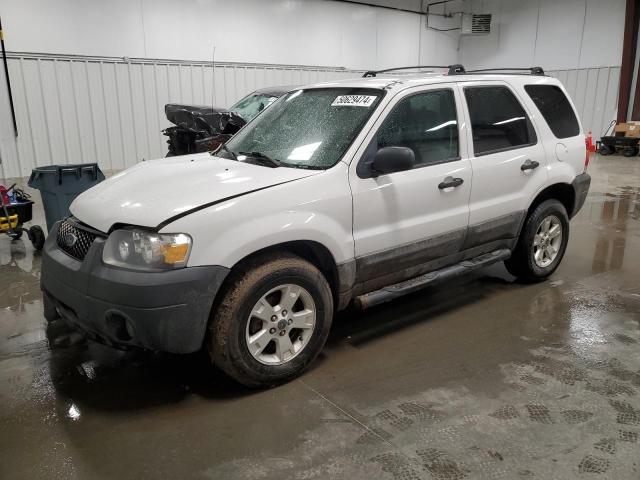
[[392, 159]]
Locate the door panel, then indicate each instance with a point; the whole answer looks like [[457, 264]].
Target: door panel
[[508, 162], [403, 219]]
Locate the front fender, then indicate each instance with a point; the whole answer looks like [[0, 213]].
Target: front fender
[[317, 208], [234, 243]]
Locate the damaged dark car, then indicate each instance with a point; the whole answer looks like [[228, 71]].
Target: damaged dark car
[[199, 128]]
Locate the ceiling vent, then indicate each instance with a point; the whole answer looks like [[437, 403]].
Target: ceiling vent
[[476, 24]]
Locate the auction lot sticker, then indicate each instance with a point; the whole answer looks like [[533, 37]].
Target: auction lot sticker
[[354, 101]]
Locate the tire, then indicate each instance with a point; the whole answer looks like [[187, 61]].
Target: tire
[[523, 263], [631, 152], [606, 149], [36, 235], [233, 323]]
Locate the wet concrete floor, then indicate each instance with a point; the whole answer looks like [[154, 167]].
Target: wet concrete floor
[[477, 378]]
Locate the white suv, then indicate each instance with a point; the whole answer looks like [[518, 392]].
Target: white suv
[[350, 191]]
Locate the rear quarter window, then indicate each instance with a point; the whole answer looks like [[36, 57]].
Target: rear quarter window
[[555, 108]]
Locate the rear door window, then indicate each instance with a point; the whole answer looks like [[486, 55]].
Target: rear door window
[[555, 108], [498, 121]]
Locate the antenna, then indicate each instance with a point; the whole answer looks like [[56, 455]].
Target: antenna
[[213, 77]]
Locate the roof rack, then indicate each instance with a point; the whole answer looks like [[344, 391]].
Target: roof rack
[[531, 70], [458, 69], [452, 69]]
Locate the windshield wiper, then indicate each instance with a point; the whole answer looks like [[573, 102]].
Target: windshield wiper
[[226, 149], [262, 156]]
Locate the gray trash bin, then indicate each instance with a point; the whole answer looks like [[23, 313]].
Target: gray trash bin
[[59, 185]]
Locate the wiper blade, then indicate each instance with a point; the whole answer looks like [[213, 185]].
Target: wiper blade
[[226, 149], [262, 156]]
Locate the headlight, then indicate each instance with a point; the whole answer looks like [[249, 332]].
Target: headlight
[[140, 250]]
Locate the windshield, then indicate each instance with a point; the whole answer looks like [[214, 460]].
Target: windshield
[[307, 128], [252, 105]]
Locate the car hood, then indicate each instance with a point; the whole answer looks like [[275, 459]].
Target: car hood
[[153, 192]]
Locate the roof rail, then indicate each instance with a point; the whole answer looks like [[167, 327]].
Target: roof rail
[[531, 70], [452, 69]]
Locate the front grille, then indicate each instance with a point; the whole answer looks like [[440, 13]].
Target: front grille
[[74, 240]]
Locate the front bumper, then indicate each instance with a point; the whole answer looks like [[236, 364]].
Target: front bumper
[[164, 311], [580, 188]]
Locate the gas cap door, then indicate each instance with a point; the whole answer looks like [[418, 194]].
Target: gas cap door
[[562, 152]]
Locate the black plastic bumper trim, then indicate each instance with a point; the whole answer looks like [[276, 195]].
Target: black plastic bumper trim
[[581, 188], [167, 311]]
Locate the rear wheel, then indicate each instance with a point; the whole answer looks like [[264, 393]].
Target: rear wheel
[[272, 321], [631, 152], [542, 242]]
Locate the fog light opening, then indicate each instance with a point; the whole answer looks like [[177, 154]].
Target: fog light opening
[[119, 325]]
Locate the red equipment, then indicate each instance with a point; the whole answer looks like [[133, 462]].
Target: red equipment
[[590, 148], [4, 195]]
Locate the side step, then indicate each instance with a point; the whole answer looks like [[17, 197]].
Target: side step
[[391, 292]]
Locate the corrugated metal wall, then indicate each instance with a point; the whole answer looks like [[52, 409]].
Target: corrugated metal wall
[[85, 109], [595, 93]]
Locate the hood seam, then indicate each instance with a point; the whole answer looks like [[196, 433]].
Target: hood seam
[[180, 215]]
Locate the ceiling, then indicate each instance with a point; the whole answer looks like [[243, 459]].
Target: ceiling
[[412, 5], [418, 6]]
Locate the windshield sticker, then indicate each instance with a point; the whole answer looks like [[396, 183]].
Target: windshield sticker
[[354, 101]]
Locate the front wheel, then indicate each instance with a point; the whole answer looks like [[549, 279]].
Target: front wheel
[[542, 243], [272, 321]]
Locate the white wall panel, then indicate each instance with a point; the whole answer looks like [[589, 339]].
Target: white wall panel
[[88, 109], [301, 32], [555, 34], [559, 34], [90, 27], [397, 39]]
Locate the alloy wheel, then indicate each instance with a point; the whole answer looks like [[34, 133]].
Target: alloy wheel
[[547, 241], [280, 324]]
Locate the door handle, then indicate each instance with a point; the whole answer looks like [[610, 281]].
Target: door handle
[[529, 165], [450, 182]]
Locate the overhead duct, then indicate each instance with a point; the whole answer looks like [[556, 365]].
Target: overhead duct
[[476, 24], [470, 23]]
